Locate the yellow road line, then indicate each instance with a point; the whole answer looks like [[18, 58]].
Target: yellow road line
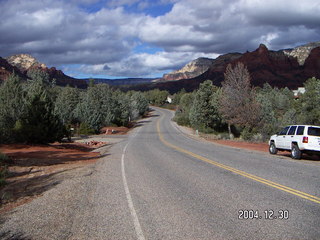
[[242, 173]]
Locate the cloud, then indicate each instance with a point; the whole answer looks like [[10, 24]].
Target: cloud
[[63, 33], [145, 65], [105, 41], [234, 25]]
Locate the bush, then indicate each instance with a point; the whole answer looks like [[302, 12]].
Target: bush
[[247, 134], [182, 119], [251, 135], [85, 129]]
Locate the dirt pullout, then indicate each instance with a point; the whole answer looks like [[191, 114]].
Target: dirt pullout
[[262, 147], [34, 169]]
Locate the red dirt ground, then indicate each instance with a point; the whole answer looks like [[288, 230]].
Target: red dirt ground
[[33, 168], [262, 147]]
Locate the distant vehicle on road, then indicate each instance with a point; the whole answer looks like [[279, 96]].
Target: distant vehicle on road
[[298, 139]]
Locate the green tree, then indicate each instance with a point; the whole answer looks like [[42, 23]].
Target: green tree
[[183, 111], [11, 106], [277, 109], [139, 105], [66, 104], [204, 113], [157, 97], [309, 112], [38, 123], [177, 96], [97, 107], [39, 75]]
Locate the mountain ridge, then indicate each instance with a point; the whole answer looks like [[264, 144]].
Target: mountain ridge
[[265, 66], [282, 68]]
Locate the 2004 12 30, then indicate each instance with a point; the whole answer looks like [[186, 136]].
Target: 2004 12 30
[[268, 214]]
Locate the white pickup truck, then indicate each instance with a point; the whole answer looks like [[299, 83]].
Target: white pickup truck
[[298, 139]]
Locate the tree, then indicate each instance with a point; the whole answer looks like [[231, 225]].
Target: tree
[[139, 105], [238, 105], [38, 123], [11, 106], [39, 75], [309, 112], [277, 109], [97, 107], [204, 113], [183, 111], [157, 97], [66, 104], [121, 109], [177, 96]]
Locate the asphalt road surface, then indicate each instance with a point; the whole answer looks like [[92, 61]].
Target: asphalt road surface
[[158, 183]]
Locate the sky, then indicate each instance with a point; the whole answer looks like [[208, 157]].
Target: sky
[[147, 38]]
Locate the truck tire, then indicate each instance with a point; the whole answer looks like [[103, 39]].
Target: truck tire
[[272, 148], [295, 152]]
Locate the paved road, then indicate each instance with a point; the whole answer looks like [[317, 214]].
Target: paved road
[[161, 184]]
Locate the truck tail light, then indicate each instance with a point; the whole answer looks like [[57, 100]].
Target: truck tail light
[[305, 139]]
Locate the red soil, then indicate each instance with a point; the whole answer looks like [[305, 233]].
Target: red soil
[[33, 169]]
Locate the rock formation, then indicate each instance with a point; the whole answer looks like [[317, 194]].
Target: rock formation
[[278, 68], [190, 70], [24, 62], [20, 64], [302, 52]]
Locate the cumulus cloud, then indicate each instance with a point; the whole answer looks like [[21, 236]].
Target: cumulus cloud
[[61, 33], [104, 41], [233, 25], [144, 64]]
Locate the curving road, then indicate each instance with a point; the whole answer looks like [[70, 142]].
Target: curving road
[[161, 184], [187, 189]]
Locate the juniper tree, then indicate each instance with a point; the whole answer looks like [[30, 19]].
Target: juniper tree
[[66, 104], [204, 113], [11, 106], [310, 103], [139, 105], [183, 110]]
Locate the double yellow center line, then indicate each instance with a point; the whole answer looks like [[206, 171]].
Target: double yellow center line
[[242, 173]]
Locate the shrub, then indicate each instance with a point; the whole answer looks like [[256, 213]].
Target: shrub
[[182, 119], [247, 134], [85, 129]]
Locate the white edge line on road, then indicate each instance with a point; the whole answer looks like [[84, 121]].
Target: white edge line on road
[[129, 198]]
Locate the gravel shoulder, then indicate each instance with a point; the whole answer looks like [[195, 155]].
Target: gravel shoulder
[[47, 197]]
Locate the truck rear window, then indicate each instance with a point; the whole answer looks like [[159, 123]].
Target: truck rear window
[[312, 131]]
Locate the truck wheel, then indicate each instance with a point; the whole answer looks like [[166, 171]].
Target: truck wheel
[[272, 148], [295, 152]]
